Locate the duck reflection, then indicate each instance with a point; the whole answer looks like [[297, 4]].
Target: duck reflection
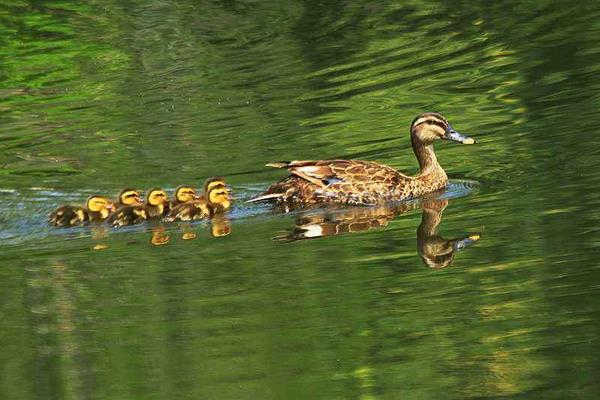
[[435, 251]]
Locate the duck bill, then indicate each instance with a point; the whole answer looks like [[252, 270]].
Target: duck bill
[[459, 244], [455, 136]]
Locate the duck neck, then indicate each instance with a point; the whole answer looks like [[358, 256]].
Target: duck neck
[[425, 155]]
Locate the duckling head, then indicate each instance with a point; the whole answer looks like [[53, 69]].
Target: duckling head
[[157, 197], [430, 126], [185, 193], [213, 182], [129, 197], [218, 195], [100, 204]]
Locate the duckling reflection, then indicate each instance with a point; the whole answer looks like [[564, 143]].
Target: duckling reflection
[[159, 236], [99, 234], [220, 226], [435, 251]]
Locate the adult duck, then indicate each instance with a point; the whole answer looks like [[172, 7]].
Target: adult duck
[[367, 182]]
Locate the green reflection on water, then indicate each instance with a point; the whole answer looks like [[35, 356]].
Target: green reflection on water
[[103, 95]]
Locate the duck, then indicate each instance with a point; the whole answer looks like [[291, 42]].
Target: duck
[[215, 200], [154, 207], [97, 208], [358, 182]]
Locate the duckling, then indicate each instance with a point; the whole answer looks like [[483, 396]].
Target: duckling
[[155, 205], [191, 210], [215, 200], [183, 194], [366, 182], [97, 208], [217, 195], [157, 202], [128, 197]]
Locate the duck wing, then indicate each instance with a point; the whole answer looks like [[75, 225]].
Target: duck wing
[[342, 181], [325, 172]]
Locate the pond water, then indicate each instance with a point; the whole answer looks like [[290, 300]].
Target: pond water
[[379, 303]]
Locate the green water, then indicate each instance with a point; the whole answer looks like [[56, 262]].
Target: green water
[[99, 95]]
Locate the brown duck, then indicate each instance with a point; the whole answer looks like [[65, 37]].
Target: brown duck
[[367, 182]]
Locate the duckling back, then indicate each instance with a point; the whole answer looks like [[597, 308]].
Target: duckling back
[[68, 216], [192, 210], [128, 215]]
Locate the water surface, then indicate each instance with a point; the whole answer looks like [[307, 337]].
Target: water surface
[[98, 96]]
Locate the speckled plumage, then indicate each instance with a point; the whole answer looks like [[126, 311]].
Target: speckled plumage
[[350, 182], [68, 216], [366, 182]]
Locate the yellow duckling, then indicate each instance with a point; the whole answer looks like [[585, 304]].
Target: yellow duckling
[[183, 194], [97, 208], [217, 195], [215, 200], [128, 197], [155, 206], [367, 182]]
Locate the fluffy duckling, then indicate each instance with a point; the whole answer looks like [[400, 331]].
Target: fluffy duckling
[[128, 197], [154, 207], [192, 210], [183, 194], [97, 208], [215, 200], [216, 194]]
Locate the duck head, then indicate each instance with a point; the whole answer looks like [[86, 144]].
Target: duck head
[[157, 197], [212, 183], [217, 194], [128, 197], [430, 126], [100, 204], [185, 193]]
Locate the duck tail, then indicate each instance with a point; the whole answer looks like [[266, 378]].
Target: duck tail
[[278, 164], [263, 197]]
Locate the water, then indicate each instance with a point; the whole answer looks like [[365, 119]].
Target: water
[[100, 96]]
